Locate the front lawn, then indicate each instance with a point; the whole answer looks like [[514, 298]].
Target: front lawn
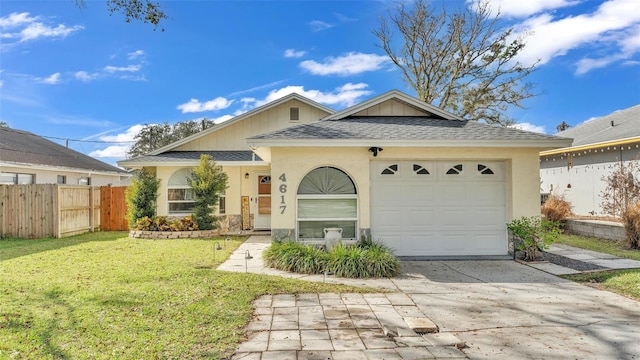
[[623, 282], [104, 295]]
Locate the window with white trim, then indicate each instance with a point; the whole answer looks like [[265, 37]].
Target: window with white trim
[[326, 198], [84, 181], [222, 204], [16, 178], [180, 197]]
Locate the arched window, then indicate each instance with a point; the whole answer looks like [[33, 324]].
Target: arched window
[[326, 198], [179, 193]]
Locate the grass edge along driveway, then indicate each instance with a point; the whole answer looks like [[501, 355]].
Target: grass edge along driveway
[[104, 295], [622, 282]]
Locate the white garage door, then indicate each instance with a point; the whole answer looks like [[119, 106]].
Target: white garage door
[[445, 208]]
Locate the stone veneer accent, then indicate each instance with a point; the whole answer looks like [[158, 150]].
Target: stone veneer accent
[[230, 223], [283, 234], [199, 234], [609, 230]]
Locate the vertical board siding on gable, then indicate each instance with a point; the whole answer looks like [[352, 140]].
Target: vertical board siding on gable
[[233, 137], [391, 108]]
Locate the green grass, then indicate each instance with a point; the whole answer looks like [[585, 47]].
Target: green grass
[[106, 296], [623, 282], [605, 246]]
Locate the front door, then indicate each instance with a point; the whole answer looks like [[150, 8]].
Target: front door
[[262, 201]]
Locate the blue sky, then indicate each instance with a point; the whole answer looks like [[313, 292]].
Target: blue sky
[[84, 75]]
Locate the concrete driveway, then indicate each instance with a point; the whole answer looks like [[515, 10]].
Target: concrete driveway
[[502, 309]]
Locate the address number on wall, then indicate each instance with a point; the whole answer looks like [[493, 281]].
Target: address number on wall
[[283, 190]]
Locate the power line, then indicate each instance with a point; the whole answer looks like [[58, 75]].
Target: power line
[[76, 140]]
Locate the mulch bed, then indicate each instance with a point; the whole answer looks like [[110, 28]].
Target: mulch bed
[[570, 263]]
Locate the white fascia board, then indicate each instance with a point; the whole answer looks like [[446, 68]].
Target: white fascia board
[[391, 95], [241, 117], [4, 165], [542, 144], [138, 165]]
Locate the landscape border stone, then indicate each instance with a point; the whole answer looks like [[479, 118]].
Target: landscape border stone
[[156, 235]]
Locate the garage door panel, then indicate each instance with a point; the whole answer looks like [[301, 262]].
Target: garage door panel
[[488, 241], [492, 218], [487, 193], [439, 214], [452, 193]]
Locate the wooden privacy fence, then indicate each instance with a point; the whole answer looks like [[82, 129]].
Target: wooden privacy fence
[[113, 208], [49, 210]]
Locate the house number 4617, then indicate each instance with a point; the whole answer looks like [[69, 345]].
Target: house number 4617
[[283, 190]]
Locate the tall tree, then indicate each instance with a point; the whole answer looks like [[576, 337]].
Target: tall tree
[[135, 10], [460, 61], [155, 136]]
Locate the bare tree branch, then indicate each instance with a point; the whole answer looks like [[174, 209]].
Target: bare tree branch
[[459, 61]]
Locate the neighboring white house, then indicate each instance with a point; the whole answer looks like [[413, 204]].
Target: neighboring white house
[[394, 168], [599, 144], [26, 158]]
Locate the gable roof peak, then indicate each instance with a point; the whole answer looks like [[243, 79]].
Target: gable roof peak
[[241, 117], [397, 95]]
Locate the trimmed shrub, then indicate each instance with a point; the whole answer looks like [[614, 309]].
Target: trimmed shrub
[[535, 234], [208, 181], [631, 219], [141, 196], [370, 260], [295, 257], [355, 262], [556, 208]]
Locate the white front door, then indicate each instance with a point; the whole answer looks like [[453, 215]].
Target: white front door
[[262, 202]]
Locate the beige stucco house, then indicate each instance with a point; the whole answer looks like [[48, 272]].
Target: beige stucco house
[[392, 168]]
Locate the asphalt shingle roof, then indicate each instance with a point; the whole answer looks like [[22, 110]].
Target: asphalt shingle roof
[[23, 147], [402, 128], [626, 124], [173, 156]]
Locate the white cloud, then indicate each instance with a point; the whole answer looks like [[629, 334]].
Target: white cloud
[[51, 80], [223, 118], [16, 20], [628, 44], [346, 95], [128, 135], [23, 27], [129, 68], [194, 105], [85, 76], [317, 25], [348, 64], [529, 127], [117, 150], [292, 53], [611, 26], [38, 30], [511, 8], [113, 151], [135, 54]]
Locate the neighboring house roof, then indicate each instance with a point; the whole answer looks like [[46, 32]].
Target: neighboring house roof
[[24, 148], [187, 158], [620, 127], [240, 118], [396, 95], [404, 131]]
